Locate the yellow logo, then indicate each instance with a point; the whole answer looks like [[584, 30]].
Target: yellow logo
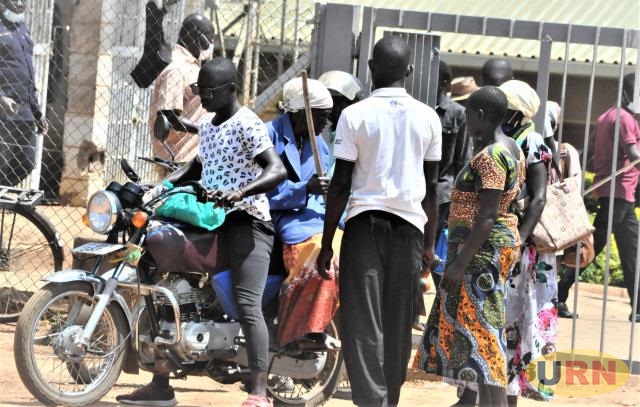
[[581, 374]]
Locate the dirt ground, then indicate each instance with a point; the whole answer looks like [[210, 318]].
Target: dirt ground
[[417, 392]]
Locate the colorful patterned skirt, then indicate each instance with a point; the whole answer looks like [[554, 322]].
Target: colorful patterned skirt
[[464, 340], [532, 319], [308, 303]]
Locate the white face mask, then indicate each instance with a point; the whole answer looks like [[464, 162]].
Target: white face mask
[[206, 54], [13, 17]]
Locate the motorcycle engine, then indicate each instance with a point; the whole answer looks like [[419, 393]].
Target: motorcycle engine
[[200, 336]]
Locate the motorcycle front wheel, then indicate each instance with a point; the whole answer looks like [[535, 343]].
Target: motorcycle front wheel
[[51, 368]]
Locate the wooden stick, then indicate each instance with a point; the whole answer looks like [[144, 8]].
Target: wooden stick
[[610, 177], [312, 130]]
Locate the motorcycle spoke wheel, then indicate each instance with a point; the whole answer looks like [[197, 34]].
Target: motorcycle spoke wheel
[[289, 391], [67, 374]]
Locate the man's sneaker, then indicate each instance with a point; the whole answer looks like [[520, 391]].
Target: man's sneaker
[[563, 311], [149, 395], [257, 401]]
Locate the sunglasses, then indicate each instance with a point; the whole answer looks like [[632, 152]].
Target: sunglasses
[[207, 93]]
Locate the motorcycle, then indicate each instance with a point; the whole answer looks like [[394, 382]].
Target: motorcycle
[[165, 307]]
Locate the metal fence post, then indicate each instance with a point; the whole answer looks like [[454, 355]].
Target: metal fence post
[[282, 28], [585, 150], [542, 84], [612, 190], [565, 70], [367, 37], [248, 52], [636, 283]]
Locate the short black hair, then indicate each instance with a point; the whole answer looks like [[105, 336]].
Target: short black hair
[[628, 82], [220, 70], [444, 73], [496, 71], [391, 57], [491, 100], [196, 23]]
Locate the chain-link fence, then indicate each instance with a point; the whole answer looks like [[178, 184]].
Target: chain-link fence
[[66, 71]]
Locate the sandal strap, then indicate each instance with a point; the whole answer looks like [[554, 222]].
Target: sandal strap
[[257, 401]]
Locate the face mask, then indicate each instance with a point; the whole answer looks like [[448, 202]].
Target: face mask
[[512, 124], [207, 53], [629, 102], [13, 17]]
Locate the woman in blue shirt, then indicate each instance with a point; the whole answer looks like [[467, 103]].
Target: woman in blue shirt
[[307, 302]]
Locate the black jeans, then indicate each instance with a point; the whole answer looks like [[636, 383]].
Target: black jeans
[[625, 231], [443, 220], [380, 262], [17, 151], [245, 248]]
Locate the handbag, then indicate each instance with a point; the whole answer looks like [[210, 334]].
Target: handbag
[[587, 254], [564, 220], [441, 250]]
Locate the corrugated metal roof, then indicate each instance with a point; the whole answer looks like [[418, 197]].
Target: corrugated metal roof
[[604, 13]]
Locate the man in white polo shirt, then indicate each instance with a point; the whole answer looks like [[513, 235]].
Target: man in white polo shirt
[[387, 151]]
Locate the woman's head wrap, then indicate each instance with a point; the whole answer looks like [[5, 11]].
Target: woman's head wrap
[[521, 97], [293, 97]]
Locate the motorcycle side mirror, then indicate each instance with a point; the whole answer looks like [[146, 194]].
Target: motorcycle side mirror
[[129, 172], [161, 128]]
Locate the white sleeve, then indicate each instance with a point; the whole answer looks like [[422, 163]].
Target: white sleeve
[[345, 145], [433, 138]]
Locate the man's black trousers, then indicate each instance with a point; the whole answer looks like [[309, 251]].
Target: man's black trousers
[[380, 261], [625, 230], [17, 151]]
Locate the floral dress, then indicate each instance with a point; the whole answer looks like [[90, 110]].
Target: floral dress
[[464, 339], [532, 291]]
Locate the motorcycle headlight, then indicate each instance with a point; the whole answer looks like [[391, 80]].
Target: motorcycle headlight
[[102, 211]]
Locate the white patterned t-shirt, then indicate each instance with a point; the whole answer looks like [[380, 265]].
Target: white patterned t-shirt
[[228, 152]]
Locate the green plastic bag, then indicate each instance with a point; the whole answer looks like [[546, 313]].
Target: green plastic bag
[[185, 208]]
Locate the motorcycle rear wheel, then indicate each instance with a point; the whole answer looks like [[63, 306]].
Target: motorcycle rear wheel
[[310, 393], [46, 325]]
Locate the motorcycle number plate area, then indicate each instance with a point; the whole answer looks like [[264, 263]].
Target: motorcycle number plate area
[[98, 248]]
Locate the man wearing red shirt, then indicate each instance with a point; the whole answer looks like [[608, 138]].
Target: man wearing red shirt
[[625, 222]]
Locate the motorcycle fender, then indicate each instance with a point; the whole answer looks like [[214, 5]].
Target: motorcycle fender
[[71, 275], [67, 276]]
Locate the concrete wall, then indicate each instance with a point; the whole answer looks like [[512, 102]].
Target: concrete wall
[[86, 120], [81, 156]]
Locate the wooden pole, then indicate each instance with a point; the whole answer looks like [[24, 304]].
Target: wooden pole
[[312, 130]]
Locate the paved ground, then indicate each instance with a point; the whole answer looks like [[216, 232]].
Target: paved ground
[[417, 392]]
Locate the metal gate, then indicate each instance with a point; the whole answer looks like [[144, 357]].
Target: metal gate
[[345, 35]]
